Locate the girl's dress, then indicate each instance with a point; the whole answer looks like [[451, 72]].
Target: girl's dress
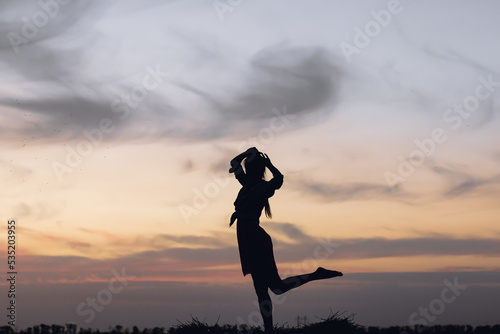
[[255, 245]]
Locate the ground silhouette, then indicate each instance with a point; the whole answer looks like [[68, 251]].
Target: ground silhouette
[[334, 324]]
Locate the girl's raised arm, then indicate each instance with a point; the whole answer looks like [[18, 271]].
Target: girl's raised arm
[[236, 163], [277, 179]]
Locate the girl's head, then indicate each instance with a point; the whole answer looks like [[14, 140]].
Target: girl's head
[[255, 167]]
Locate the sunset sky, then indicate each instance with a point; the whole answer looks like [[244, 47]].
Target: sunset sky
[[118, 120]]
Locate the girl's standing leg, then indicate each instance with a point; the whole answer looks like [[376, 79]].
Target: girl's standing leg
[[261, 285]]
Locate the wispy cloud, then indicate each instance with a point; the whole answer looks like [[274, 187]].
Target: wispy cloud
[[303, 79], [462, 183], [171, 256], [66, 92], [349, 191], [369, 295]]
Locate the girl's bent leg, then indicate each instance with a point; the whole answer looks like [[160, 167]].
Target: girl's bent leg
[[279, 286], [263, 281]]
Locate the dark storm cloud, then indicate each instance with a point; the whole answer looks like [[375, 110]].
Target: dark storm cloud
[[302, 79], [302, 83], [304, 86], [54, 109], [280, 81], [66, 96], [59, 93], [62, 118], [40, 57]]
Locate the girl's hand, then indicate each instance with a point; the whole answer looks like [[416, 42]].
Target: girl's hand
[[267, 161], [233, 167]]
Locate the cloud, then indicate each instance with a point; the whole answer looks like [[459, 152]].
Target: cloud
[[63, 241], [61, 118], [367, 248], [187, 166], [62, 90], [12, 167], [470, 184], [197, 257], [161, 240], [196, 241], [302, 79], [371, 296], [463, 183], [291, 231], [41, 58], [59, 82], [349, 191], [67, 91], [380, 247], [49, 77], [38, 210], [302, 83]]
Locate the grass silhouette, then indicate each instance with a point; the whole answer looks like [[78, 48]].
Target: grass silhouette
[[335, 323]]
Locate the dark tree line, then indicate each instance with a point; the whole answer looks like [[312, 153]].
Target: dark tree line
[[436, 329], [228, 329], [72, 329]]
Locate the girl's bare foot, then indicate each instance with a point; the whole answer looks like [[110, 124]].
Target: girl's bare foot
[[322, 273]]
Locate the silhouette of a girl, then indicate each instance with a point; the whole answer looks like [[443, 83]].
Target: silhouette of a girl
[[255, 245]]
